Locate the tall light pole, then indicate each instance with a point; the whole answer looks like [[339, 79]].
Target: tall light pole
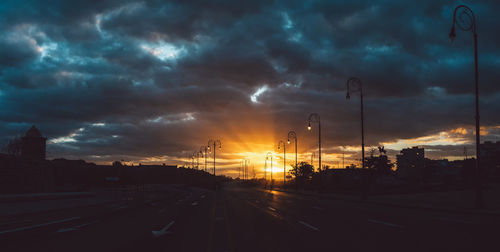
[[292, 134], [241, 167], [247, 162], [267, 157], [314, 118], [265, 173], [212, 146], [197, 154], [466, 20], [284, 160], [354, 85], [203, 151]]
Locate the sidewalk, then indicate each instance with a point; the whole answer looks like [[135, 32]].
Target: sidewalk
[[451, 201]]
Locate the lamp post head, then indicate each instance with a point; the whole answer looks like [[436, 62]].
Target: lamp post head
[[309, 127], [452, 34], [288, 141]]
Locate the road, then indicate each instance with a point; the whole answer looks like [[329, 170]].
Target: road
[[246, 219]]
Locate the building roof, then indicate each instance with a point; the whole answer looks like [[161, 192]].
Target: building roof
[[33, 132]]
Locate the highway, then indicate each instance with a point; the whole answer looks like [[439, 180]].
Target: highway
[[247, 219]]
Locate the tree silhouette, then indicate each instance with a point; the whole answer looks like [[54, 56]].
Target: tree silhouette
[[304, 171], [380, 164], [14, 147]]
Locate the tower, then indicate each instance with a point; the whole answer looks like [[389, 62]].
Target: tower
[[33, 144]]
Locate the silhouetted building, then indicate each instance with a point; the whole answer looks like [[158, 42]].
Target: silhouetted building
[[33, 144], [490, 157], [411, 164]]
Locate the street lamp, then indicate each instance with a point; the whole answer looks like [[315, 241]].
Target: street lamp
[[203, 151], [241, 167], [356, 86], [466, 20], [293, 135], [197, 154], [315, 118], [247, 162], [212, 146], [267, 157], [284, 160]]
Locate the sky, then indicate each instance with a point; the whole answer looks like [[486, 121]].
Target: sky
[[152, 81]]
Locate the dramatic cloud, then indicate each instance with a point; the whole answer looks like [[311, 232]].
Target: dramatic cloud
[[152, 81]]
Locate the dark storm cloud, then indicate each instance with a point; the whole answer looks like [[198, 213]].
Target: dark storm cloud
[[154, 78]]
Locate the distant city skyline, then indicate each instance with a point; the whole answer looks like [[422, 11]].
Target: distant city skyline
[[104, 88]]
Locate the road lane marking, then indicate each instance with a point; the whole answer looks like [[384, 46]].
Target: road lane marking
[[39, 225], [309, 225], [164, 230], [202, 196], [385, 223], [194, 203], [318, 208], [63, 230], [272, 209]]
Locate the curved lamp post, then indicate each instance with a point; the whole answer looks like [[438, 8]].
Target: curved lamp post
[[265, 173], [247, 162], [280, 143], [314, 118], [212, 146], [466, 20], [203, 152], [292, 134], [241, 167], [197, 154], [267, 157], [354, 85]]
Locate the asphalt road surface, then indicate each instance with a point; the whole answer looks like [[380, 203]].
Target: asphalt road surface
[[247, 219]]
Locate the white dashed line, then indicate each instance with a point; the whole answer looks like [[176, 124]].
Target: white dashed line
[[163, 230], [309, 226], [63, 230]]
